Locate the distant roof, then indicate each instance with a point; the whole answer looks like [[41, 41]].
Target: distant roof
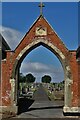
[[4, 45], [78, 52]]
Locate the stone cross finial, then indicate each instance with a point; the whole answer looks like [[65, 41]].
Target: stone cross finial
[[41, 5]]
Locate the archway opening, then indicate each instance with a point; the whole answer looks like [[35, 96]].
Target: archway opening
[[40, 62], [61, 57]]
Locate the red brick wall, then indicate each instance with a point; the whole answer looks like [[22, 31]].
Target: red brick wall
[[79, 82], [6, 75], [7, 66], [74, 69]]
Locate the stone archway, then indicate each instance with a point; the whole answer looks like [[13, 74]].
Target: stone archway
[[65, 64], [50, 40]]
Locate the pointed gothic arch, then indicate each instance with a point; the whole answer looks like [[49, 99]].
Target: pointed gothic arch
[[50, 40], [65, 64]]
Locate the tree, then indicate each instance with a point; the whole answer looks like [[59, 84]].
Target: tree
[[30, 78], [22, 78], [46, 79]]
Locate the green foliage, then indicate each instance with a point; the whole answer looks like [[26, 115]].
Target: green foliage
[[22, 78], [46, 79], [59, 85], [30, 78]]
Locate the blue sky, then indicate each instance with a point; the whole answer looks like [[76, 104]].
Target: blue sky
[[63, 17], [79, 23]]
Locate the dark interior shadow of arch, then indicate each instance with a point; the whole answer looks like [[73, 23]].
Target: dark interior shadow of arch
[[23, 104]]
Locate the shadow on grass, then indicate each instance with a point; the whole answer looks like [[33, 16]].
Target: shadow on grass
[[23, 104]]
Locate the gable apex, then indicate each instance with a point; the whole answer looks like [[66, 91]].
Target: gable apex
[[40, 21], [40, 28]]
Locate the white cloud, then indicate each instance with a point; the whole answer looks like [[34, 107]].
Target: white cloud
[[12, 36], [40, 69]]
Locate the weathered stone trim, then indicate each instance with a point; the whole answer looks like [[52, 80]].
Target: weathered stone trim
[[78, 59], [71, 109], [3, 60], [12, 82], [46, 42], [13, 72], [13, 109]]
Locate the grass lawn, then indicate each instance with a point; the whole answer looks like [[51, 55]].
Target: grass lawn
[[55, 95]]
